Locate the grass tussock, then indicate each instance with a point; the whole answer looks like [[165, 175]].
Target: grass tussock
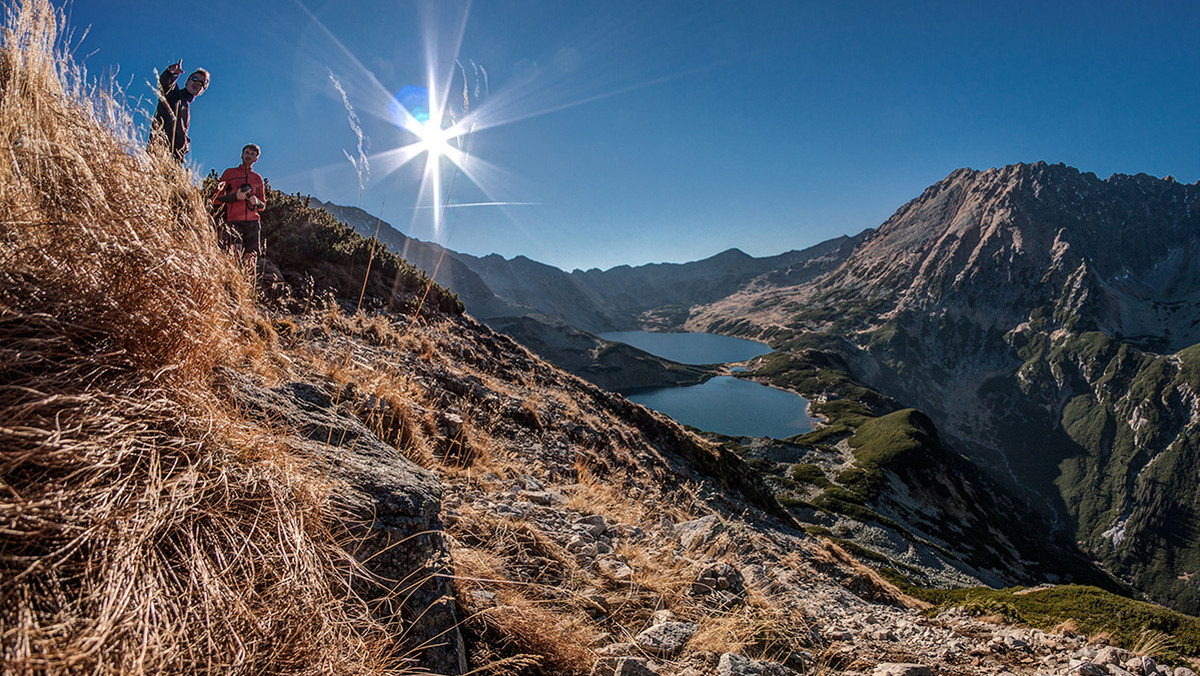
[[147, 528], [761, 629]]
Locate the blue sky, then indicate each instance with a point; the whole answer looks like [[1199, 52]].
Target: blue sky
[[615, 132]]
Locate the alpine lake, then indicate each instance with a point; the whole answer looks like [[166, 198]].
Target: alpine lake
[[723, 404]]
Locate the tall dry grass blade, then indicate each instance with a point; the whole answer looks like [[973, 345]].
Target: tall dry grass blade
[[149, 528]]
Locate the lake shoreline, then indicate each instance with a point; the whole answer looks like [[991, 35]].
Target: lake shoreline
[[728, 399]]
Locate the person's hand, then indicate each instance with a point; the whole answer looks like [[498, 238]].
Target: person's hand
[[176, 69]]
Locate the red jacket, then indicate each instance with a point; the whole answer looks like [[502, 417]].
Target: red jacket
[[235, 209]]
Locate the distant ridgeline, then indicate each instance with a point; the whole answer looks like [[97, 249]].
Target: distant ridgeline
[[1041, 318]]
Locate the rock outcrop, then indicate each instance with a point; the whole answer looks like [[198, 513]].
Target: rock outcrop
[[392, 510]]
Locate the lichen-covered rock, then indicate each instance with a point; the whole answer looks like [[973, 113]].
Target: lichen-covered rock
[[693, 534], [901, 669], [720, 585], [623, 666]]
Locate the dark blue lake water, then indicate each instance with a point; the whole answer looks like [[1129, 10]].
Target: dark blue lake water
[[723, 404], [739, 408], [691, 348]]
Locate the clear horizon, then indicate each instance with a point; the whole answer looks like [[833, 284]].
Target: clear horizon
[[623, 133]]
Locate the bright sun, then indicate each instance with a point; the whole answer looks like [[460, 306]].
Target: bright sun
[[435, 140]]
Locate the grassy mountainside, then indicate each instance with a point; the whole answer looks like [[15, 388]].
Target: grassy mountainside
[[880, 480]]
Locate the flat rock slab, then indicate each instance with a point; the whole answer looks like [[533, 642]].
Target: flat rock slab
[[901, 669], [736, 665], [667, 638]]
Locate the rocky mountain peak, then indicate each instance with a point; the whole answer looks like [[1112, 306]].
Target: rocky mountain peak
[[1015, 236]]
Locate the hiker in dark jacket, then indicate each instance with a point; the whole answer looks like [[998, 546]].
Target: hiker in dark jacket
[[173, 115]]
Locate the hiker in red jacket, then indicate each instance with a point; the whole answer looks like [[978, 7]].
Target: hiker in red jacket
[[173, 115], [244, 195]]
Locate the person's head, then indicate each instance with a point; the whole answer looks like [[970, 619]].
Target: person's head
[[197, 82], [250, 153]]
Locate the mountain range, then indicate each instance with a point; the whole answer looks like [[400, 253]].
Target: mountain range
[[1040, 318]]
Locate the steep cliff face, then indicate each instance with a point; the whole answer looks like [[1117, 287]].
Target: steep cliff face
[[1127, 424], [1117, 255]]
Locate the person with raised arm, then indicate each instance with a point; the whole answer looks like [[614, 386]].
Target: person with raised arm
[[173, 116]]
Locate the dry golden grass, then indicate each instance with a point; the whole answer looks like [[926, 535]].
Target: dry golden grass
[[539, 615], [1066, 627], [760, 629], [597, 491], [869, 583], [1155, 644], [148, 529]]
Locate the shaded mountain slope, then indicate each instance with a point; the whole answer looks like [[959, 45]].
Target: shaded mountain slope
[[611, 365], [1040, 316]]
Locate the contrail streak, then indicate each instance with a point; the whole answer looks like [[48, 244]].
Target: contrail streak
[[484, 204], [362, 165]]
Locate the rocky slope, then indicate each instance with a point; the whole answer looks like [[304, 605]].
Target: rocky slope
[[549, 502], [1036, 314]]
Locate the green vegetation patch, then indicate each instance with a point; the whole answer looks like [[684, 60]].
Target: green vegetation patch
[[1086, 422], [844, 411], [312, 248], [1090, 609], [823, 435], [892, 439], [810, 474], [1189, 366]]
